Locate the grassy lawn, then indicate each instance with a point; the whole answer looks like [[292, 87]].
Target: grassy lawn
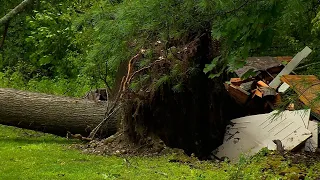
[[27, 154]]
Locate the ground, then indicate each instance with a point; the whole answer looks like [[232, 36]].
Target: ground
[[33, 155]]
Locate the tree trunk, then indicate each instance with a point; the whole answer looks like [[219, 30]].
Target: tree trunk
[[15, 11], [53, 114]]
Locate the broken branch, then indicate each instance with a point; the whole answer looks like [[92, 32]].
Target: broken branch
[[109, 112], [131, 61], [238, 8], [142, 69], [307, 65], [15, 11]]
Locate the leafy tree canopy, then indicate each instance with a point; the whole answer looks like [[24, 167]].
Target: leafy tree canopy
[[78, 42]]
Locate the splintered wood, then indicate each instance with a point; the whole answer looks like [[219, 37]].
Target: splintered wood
[[308, 88]]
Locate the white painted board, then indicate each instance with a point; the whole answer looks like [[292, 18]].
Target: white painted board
[[290, 66], [250, 134]]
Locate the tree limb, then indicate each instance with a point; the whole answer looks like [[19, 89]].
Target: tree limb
[[131, 62], [237, 8], [307, 65], [115, 107], [122, 89], [15, 11], [142, 69], [4, 34]]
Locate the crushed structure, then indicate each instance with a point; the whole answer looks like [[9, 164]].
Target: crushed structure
[[248, 135], [264, 79]]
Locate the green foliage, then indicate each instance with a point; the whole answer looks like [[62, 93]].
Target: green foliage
[[264, 28], [90, 39], [45, 52], [76, 87], [50, 41]]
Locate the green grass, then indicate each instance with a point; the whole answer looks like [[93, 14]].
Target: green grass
[[27, 154]]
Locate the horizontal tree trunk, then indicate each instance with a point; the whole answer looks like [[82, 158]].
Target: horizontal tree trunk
[[53, 114]]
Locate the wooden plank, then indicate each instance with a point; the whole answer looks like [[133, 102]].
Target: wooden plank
[[258, 93], [308, 89], [262, 84], [236, 81], [290, 66], [240, 95]]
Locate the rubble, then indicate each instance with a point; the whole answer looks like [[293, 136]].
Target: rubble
[[283, 88], [267, 78], [250, 134], [265, 69], [263, 66], [308, 88]]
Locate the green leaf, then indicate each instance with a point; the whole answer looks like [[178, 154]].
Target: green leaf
[[212, 65], [44, 60], [217, 35]]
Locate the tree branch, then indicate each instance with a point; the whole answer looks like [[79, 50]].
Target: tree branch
[[15, 11], [115, 107], [4, 34], [142, 69], [131, 62], [238, 8], [307, 65]]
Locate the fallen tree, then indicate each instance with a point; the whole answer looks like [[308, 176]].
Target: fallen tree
[[192, 117], [54, 114]]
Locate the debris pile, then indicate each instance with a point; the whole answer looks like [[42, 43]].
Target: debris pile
[[264, 79], [253, 84], [252, 133]]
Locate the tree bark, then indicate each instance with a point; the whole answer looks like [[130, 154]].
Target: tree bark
[[53, 114], [15, 11]]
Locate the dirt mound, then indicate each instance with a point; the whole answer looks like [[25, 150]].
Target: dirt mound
[[119, 145]]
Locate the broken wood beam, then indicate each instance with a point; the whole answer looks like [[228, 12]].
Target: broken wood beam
[[236, 92], [290, 66]]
